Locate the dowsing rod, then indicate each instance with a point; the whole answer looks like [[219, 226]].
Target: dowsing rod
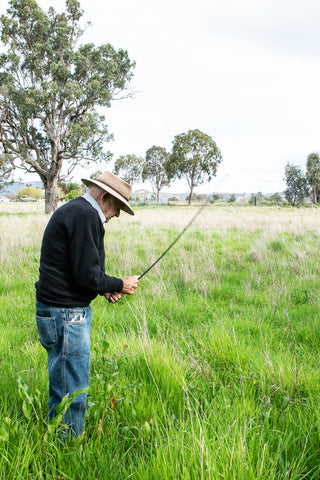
[[171, 245]]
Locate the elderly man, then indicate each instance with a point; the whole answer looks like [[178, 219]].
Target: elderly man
[[72, 274]]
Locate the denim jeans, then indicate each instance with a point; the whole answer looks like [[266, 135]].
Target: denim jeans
[[65, 334]]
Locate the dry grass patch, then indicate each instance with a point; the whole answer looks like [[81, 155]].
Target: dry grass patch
[[22, 207], [19, 233], [217, 218]]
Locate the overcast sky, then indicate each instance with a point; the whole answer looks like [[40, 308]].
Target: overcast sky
[[245, 72]]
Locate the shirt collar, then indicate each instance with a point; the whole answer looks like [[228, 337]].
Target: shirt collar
[[95, 205]]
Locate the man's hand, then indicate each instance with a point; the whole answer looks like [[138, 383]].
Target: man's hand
[[129, 287], [130, 284], [113, 297]]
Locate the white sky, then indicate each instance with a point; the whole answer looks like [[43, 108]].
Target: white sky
[[245, 72]]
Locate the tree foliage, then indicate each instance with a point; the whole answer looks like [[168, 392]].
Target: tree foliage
[[313, 175], [216, 197], [129, 167], [255, 198], [297, 185], [29, 192], [67, 191], [50, 89], [195, 156], [154, 168], [275, 198], [232, 198], [6, 171]]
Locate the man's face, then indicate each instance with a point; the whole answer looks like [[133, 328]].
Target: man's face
[[110, 206]]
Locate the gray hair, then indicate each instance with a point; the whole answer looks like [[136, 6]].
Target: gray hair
[[96, 189]]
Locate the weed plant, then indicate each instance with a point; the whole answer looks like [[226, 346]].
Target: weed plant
[[210, 371]]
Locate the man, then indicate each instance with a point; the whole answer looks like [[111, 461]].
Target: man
[[72, 274]]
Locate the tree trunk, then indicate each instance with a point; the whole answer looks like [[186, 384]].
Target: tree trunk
[[158, 195], [191, 193], [51, 196]]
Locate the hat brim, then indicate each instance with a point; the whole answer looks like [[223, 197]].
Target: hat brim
[[124, 204]]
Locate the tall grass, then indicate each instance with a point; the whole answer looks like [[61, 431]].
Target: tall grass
[[210, 371]]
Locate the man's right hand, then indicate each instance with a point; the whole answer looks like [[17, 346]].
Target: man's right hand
[[130, 284]]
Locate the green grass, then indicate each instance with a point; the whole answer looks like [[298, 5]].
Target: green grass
[[214, 362]]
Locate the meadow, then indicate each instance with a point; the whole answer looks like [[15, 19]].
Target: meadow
[[210, 371]]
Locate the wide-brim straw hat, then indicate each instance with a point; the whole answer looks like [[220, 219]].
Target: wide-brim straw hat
[[114, 185]]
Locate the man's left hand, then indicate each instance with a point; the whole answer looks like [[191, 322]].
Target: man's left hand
[[113, 297]]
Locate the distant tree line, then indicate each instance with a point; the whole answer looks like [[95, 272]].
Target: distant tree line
[[260, 199]]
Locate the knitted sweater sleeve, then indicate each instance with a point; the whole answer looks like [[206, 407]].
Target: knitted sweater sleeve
[[87, 257]]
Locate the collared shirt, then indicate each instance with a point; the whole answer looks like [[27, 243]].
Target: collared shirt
[[95, 205]]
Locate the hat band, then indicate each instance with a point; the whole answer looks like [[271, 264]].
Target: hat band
[[110, 186]]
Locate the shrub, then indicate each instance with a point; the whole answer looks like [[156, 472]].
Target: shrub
[[73, 194], [29, 192]]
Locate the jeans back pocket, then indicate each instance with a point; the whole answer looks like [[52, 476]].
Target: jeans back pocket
[[47, 331]]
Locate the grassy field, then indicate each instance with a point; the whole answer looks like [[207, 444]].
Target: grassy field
[[212, 367]]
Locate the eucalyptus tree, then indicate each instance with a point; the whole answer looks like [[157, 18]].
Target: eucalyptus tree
[[129, 167], [195, 156], [297, 186], [154, 169], [50, 88], [313, 175]]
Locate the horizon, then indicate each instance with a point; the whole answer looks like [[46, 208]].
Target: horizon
[[38, 183]]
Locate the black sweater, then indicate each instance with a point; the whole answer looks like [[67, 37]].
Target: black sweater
[[72, 270]]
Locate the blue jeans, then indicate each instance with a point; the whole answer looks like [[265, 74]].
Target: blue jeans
[[65, 334]]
